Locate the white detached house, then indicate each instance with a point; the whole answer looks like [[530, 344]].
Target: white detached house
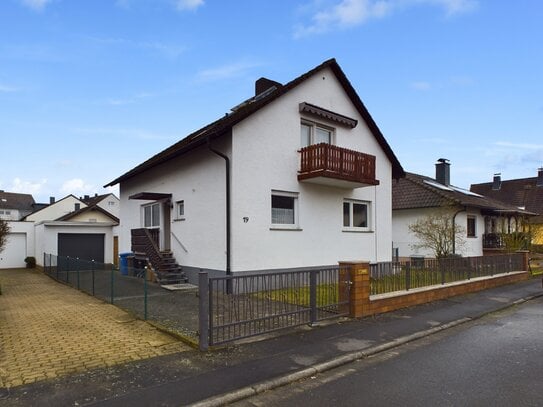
[[297, 176]]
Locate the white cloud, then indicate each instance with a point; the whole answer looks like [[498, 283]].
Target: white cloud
[[8, 89], [131, 134], [76, 186], [27, 187], [226, 71], [36, 5], [420, 85], [168, 50], [349, 13], [183, 5], [453, 7], [519, 146]]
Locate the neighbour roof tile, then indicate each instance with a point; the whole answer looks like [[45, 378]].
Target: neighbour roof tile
[[12, 200], [522, 192], [419, 191]]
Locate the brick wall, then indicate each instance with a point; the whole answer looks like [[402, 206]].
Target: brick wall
[[363, 305]]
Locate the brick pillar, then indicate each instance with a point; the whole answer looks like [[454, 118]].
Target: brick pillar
[[360, 288], [525, 259]]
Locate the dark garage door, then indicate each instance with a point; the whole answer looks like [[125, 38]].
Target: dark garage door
[[85, 246]]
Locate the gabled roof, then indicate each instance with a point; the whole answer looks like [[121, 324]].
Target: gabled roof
[[247, 108], [41, 208], [93, 200], [418, 191], [13, 200], [86, 209], [522, 192]]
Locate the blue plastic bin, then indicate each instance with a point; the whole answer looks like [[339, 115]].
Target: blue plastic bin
[[123, 262]]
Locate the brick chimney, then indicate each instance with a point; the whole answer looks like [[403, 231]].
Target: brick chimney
[[443, 171], [497, 182], [539, 182], [51, 200], [263, 84]]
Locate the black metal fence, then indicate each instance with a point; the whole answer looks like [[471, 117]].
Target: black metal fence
[[132, 291], [398, 276], [247, 305]]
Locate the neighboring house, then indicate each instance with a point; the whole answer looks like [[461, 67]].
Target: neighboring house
[[297, 176], [108, 202], [526, 193], [416, 196], [68, 227], [56, 209], [15, 206]]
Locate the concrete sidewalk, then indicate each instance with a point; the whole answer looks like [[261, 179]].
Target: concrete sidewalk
[[48, 330], [188, 377]]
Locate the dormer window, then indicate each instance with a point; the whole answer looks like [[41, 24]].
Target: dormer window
[[313, 133]]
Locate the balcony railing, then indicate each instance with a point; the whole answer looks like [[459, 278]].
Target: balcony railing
[[331, 165], [503, 240]]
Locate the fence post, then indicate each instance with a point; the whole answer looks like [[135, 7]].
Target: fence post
[[312, 297], [58, 266], [525, 262], [145, 295], [203, 310], [44, 263], [77, 270], [68, 269], [112, 284], [360, 288], [407, 276], [92, 272], [442, 268]]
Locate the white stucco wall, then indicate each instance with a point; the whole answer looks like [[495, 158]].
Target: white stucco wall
[[20, 244], [10, 214], [199, 180], [403, 239], [265, 158], [56, 210], [110, 203], [91, 216]]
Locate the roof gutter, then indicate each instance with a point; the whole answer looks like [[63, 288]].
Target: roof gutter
[[228, 228]]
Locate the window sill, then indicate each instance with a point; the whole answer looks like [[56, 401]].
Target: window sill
[[352, 230], [288, 228], [178, 219]]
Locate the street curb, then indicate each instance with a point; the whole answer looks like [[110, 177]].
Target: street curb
[[270, 384]]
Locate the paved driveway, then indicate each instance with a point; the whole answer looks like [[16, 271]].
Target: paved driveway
[[48, 330]]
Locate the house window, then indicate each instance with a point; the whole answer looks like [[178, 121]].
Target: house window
[[180, 209], [312, 133], [356, 215], [471, 226], [111, 203], [151, 215], [284, 209]]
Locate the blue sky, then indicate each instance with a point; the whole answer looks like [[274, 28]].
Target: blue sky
[[89, 89]]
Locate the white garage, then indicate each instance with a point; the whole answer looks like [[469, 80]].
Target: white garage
[[14, 252]]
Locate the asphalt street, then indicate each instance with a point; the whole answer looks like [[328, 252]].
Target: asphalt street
[[496, 360]]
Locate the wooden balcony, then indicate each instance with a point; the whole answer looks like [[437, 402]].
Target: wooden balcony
[[330, 165]]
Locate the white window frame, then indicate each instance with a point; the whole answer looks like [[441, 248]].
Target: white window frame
[[468, 218], [350, 227], [180, 210], [151, 205], [313, 127], [283, 226]]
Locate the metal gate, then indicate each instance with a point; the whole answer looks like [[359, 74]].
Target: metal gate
[[253, 304]]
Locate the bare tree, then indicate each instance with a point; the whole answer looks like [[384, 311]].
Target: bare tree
[[4, 230], [438, 233]]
